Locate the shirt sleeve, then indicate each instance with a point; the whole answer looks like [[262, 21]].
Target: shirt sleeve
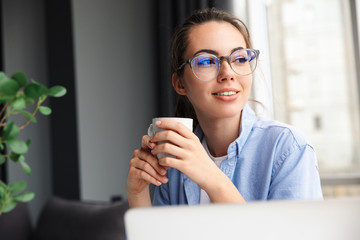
[[295, 175]]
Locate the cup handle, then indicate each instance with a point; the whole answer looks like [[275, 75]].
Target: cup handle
[[150, 130]]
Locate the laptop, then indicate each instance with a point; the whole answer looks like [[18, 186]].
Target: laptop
[[329, 220]]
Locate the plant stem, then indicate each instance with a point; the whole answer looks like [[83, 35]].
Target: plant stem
[[40, 101], [3, 111], [4, 108], [10, 112]]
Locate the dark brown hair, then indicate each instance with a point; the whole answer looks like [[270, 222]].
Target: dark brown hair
[[179, 44]]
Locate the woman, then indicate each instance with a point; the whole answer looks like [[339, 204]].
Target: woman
[[232, 156]]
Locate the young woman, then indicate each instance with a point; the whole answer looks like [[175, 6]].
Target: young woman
[[232, 156]]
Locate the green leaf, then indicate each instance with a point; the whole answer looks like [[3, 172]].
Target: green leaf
[[28, 142], [19, 103], [56, 91], [4, 99], [2, 146], [24, 165], [3, 76], [34, 90], [17, 146], [17, 187], [45, 110], [2, 193], [29, 116], [10, 205], [11, 131], [16, 157], [20, 78], [3, 185], [8, 87], [2, 159], [25, 197], [29, 101]]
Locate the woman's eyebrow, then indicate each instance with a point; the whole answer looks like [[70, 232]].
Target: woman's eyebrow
[[215, 52], [206, 51], [235, 49]]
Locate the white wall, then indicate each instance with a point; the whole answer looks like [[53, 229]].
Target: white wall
[[24, 50], [114, 70]]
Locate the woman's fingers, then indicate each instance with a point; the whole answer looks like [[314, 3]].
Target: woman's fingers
[[147, 169], [171, 162], [176, 127], [147, 161], [146, 176], [174, 138], [169, 148], [143, 170], [146, 143]]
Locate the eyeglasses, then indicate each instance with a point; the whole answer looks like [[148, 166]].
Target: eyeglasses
[[206, 66]]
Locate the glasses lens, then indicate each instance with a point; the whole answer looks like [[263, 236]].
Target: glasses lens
[[243, 61], [205, 67]]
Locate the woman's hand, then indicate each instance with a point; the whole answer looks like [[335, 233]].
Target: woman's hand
[[144, 169], [192, 160], [191, 157]]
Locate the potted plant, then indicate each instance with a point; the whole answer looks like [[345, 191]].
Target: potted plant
[[17, 96]]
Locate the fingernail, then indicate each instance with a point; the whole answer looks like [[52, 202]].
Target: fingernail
[[162, 171], [158, 183], [158, 123], [165, 179], [151, 145]]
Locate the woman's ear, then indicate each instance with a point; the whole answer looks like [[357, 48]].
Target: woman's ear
[[178, 84]]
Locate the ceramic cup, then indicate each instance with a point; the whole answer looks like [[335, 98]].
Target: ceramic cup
[[188, 122]]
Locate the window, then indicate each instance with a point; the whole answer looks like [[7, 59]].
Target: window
[[315, 85]]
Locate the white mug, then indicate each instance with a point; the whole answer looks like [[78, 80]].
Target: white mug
[[188, 122]]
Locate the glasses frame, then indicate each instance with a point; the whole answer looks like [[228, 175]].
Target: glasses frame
[[220, 58]]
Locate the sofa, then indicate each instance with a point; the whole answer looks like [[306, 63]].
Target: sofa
[[62, 219]]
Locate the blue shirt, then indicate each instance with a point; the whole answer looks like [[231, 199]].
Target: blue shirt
[[268, 161]]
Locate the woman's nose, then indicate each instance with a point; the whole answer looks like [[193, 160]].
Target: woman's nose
[[225, 72]]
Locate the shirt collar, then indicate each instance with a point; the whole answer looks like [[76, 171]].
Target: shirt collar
[[248, 119]]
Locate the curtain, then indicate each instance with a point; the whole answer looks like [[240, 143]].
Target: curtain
[[61, 70]]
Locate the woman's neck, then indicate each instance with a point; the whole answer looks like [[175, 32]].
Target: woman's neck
[[220, 133]]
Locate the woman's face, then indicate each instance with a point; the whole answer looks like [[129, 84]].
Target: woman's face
[[208, 98]]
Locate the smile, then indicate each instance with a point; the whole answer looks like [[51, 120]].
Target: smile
[[225, 93]]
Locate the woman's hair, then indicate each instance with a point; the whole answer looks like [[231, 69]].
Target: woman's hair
[[179, 44]]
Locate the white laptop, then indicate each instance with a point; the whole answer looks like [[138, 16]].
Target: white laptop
[[337, 219]]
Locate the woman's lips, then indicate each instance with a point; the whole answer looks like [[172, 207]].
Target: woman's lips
[[230, 93], [227, 94]]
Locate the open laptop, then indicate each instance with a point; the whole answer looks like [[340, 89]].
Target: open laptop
[[337, 219]]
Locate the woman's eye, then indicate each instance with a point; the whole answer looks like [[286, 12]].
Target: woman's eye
[[205, 62], [241, 60]]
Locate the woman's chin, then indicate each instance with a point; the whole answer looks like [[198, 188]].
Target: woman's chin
[[227, 113]]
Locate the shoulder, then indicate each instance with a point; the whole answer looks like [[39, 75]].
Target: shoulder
[[261, 130], [290, 146], [280, 132]]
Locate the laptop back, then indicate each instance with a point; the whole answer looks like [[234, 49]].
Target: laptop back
[[328, 219]]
